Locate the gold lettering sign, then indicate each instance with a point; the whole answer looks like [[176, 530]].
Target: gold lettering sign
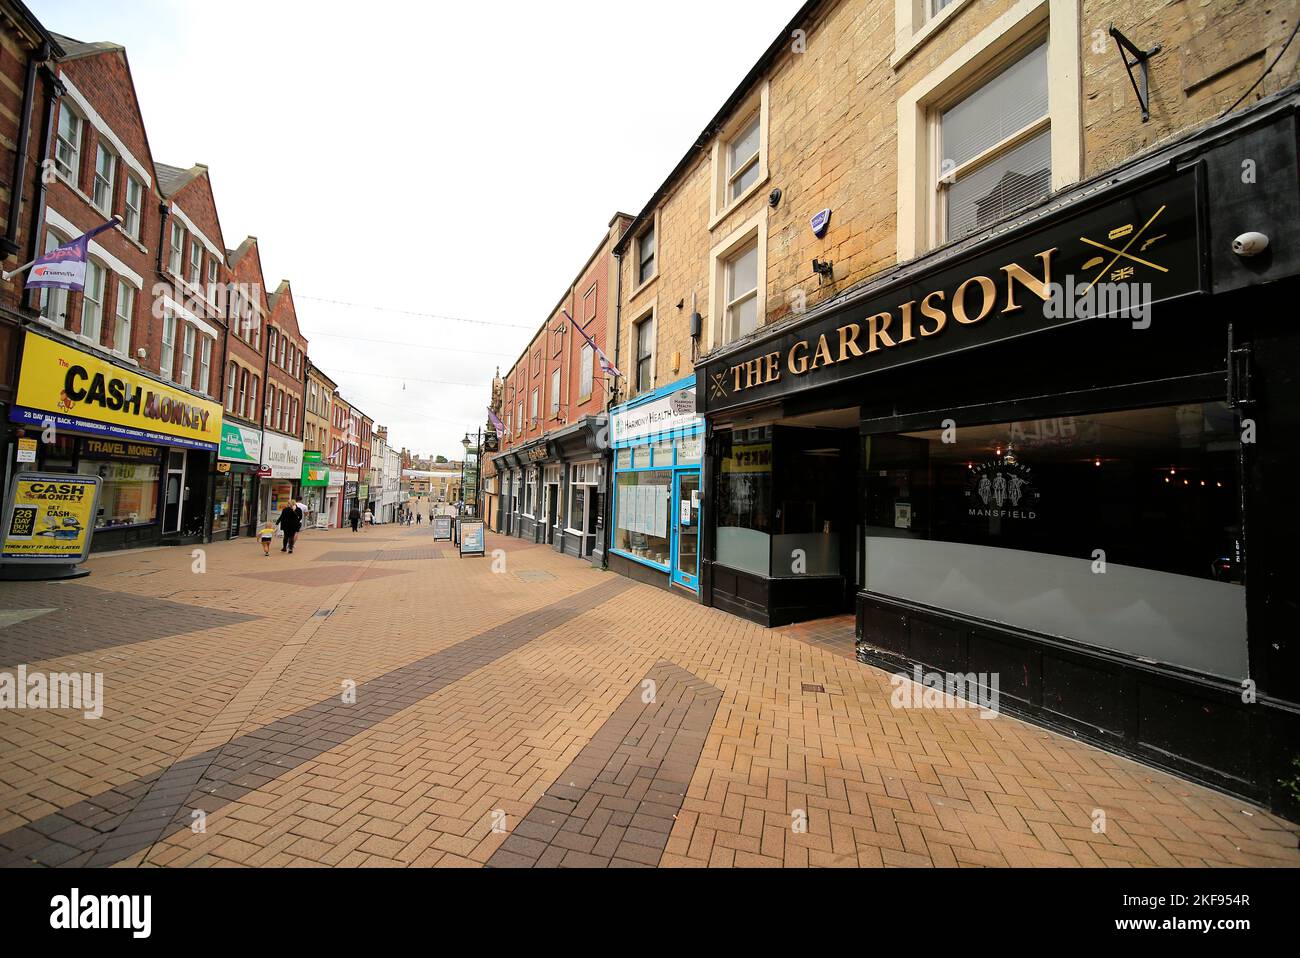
[[972, 302]]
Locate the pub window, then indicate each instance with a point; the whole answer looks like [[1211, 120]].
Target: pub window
[[782, 498], [645, 338], [994, 151], [742, 294], [1009, 523]]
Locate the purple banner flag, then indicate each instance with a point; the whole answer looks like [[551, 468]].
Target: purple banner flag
[[497, 424], [65, 267], [605, 364]]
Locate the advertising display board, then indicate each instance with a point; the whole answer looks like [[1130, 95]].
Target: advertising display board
[[49, 518], [473, 542], [442, 528]]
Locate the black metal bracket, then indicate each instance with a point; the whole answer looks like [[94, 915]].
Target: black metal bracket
[[1140, 60], [823, 270]]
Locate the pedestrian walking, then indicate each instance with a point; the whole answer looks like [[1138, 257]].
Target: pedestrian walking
[[417, 518], [369, 518], [290, 522], [354, 518], [266, 534]]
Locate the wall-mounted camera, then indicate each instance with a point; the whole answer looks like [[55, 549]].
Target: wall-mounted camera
[[1250, 244]]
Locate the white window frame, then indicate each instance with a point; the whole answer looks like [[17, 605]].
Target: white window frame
[[133, 213], [176, 253], [205, 366], [196, 262], [124, 319], [587, 476], [100, 183], [721, 203], [753, 229], [646, 318], [167, 355], [915, 22], [70, 169], [187, 355], [232, 381], [555, 391], [586, 372], [54, 300], [1005, 39], [90, 306], [532, 407]]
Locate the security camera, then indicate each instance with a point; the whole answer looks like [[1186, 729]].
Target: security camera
[[141, 353], [1250, 244]]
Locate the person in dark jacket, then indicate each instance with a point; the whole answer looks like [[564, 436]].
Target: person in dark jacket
[[290, 522], [354, 517]]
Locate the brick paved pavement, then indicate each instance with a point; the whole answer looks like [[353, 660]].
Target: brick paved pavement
[[517, 698]]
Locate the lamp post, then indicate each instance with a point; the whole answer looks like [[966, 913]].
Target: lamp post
[[477, 446]]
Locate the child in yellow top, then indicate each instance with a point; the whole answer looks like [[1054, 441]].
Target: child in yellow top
[[266, 534]]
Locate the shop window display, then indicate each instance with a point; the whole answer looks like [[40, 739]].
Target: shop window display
[[1118, 529], [642, 514]]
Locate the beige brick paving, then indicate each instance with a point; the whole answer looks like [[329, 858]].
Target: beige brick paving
[[422, 783]]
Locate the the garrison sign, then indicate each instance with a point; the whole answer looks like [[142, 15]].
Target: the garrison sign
[[49, 518]]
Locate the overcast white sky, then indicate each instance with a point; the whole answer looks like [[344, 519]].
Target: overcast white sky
[[412, 156]]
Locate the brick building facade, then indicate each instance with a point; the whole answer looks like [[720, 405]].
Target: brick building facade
[[551, 464], [858, 380]]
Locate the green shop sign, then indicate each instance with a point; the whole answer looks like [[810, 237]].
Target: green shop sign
[[240, 444], [314, 471]]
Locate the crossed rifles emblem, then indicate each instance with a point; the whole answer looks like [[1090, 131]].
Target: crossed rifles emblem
[[718, 385], [1126, 271]]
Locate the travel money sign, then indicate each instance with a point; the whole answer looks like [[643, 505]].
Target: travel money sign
[[1113, 259]]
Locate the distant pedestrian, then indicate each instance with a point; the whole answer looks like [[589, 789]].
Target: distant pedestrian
[[417, 518], [290, 522], [266, 534], [369, 518], [354, 518]]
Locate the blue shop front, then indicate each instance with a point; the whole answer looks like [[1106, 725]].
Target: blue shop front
[[658, 444]]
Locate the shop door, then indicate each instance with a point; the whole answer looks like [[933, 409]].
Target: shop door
[[236, 508], [552, 512], [686, 529], [174, 487]]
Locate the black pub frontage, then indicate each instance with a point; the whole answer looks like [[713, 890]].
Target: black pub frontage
[[553, 489], [1060, 452]]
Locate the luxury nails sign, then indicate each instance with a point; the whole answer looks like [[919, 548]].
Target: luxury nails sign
[[1007, 290]]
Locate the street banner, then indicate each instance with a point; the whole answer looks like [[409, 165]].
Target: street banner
[[442, 528], [65, 267], [605, 364], [49, 517], [497, 424], [472, 539]]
